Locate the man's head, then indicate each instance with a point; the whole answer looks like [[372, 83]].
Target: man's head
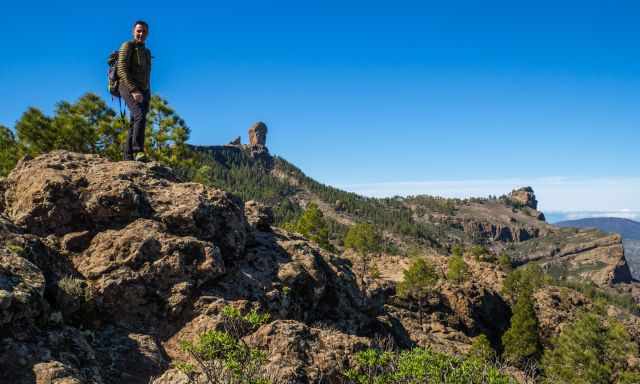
[[140, 31]]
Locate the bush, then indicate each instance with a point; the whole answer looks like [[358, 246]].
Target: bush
[[457, 270], [594, 349], [72, 286], [481, 349], [504, 261], [480, 253], [421, 365], [223, 359], [222, 356]]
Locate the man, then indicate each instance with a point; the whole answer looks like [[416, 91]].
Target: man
[[134, 71]]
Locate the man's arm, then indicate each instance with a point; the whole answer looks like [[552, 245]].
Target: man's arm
[[123, 66]]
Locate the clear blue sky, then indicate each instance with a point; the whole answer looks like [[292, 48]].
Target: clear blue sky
[[366, 92]]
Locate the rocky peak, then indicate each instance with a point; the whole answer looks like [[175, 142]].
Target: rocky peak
[[524, 196], [258, 134]]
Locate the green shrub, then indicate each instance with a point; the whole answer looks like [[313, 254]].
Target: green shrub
[[422, 366], [238, 325], [457, 270], [222, 356], [72, 287], [481, 349], [629, 378], [480, 253], [504, 261]]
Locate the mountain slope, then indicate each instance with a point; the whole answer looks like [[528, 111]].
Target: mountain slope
[[509, 223], [107, 268]]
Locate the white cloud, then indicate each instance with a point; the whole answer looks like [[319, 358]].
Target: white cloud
[[617, 195]]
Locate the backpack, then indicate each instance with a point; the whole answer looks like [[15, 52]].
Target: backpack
[[112, 74]]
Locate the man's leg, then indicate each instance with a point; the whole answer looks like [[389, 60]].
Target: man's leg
[[128, 151], [138, 117], [140, 123]]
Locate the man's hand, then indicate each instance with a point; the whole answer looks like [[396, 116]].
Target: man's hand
[[137, 97]]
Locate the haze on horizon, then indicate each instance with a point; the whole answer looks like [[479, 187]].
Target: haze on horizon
[[383, 99]]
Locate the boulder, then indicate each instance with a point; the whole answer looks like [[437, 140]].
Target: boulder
[[143, 272], [62, 192], [22, 287], [259, 216], [299, 353]]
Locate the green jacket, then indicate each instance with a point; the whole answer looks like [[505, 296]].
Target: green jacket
[[134, 66]]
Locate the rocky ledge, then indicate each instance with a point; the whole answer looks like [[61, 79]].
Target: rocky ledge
[[105, 268]]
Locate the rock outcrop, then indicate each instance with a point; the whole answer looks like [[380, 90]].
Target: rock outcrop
[[577, 254], [258, 134], [524, 196], [106, 267]]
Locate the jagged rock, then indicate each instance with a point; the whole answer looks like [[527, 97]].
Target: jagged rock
[[258, 134], [76, 241], [62, 192], [55, 372], [172, 376], [299, 353], [141, 271], [524, 196], [236, 142], [127, 357], [155, 261], [190, 332], [453, 317], [555, 307], [22, 286], [259, 216], [61, 354], [499, 232]]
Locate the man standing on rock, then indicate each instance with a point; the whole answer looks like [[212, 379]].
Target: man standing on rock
[[134, 72]]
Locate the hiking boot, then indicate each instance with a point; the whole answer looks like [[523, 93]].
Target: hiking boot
[[141, 157]]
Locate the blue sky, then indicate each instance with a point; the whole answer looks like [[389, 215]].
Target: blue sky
[[378, 97]]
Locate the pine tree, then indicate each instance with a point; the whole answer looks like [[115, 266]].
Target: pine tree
[[521, 341], [36, 132], [166, 133], [365, 240], [313, 226], [418, 282], [594, 349], [9, 153], [457, 268]]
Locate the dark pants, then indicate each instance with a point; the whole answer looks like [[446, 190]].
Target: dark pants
[[138, 113]]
